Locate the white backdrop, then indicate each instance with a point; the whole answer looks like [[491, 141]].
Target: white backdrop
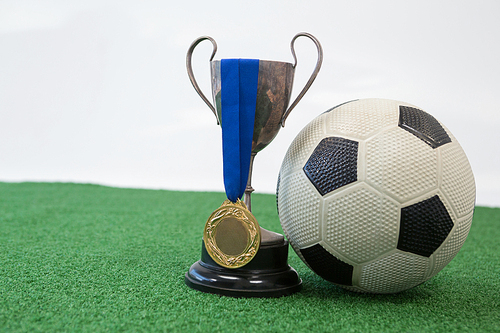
[[97, 91]]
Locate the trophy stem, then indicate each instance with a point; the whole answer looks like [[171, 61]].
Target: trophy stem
[[249, 189], [268, 238]]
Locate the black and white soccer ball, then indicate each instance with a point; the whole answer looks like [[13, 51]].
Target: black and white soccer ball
[[376, 196]]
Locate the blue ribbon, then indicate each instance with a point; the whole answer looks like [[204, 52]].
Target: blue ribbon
[[239, 78]]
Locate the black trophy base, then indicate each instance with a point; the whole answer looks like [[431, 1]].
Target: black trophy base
[[267, 275]]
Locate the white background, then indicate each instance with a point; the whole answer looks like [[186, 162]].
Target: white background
[[97, 91]]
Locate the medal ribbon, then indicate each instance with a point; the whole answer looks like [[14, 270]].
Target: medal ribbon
[[239, 79]]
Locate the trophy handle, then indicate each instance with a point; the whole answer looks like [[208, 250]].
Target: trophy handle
[[190, 70], [313, 75]]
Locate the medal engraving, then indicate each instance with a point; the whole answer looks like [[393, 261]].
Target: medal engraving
[[232, 235]]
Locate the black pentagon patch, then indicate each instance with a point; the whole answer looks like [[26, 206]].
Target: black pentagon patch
[[327, 266], [424, 226], [333, 164], [423, 125]]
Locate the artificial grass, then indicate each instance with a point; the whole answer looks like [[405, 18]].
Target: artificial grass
[[76, 257]]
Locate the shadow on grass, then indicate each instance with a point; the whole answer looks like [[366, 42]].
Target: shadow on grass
[[315, 287]]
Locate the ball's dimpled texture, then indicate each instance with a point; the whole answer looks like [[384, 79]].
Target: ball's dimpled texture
[[423, 125], [355, 231], [327, 266], [301, 203], [424, 226], [376, 195], [333, 164]]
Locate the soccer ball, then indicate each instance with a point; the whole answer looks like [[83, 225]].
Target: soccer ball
[[376, 196]]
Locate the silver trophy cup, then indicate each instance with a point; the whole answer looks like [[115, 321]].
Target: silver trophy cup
[[274, 88]]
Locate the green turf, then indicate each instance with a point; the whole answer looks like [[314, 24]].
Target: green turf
[[91, 258]]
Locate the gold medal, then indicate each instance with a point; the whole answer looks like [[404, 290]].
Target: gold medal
[[232, 235]]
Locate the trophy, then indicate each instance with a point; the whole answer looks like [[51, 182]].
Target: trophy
[[251, 97]]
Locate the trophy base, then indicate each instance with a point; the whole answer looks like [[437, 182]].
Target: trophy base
[[267, 275]]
